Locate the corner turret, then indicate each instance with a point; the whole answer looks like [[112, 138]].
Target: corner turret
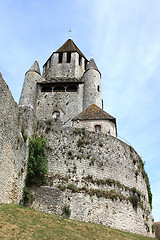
[[29, 91], [92, 85]]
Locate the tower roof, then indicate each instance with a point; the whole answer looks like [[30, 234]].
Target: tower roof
[[93, 112], [70, 46], [35, 67], [92, 65]]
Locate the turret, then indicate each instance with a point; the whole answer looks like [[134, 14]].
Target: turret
[[29, 91], [92, 85]]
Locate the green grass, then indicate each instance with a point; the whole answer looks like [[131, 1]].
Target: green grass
[[17, 222]]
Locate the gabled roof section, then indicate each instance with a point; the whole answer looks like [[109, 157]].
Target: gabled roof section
[[93, 112], [70, 46]]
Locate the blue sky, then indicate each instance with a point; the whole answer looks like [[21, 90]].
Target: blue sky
[[124, 38]]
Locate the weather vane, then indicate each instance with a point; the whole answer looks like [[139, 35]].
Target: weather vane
[[70, 32]]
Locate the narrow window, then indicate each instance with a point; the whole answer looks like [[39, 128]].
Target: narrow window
[[60, 58], [97, 128], [98, 88], [86, 64], [68, 57], [80, 60], [49, 62]]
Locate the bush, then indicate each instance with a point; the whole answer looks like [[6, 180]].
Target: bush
[[27, 196], [66, 210], [37, 162]]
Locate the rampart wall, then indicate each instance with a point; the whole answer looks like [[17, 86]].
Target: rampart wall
[[98, 177], [13, 146]]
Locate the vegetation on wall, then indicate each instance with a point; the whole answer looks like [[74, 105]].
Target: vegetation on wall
[[36, 168]]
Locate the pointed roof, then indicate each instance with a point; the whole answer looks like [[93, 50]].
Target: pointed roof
[[92, 65], [70, 46], [35, 67], [93, 112]]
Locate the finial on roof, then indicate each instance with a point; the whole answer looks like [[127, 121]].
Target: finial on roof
[[70, 33]]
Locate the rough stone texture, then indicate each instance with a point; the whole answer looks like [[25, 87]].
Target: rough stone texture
[[157, 226], [13, 148], [30, 88], [92, 88], [94, 163], [69, 104], [52, 69], [106, 125]]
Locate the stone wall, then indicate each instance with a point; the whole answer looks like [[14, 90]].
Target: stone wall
[[69, 104], [98, 177], [52, 69], [106, 126], [13, 146]]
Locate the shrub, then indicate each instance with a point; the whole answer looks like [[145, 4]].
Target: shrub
[[100, 144], [37, 162], [134, 200], [27, 196], [66, 210]]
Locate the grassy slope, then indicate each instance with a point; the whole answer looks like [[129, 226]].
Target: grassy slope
[[17, 222]]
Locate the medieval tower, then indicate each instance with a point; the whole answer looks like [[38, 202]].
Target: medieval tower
[[99, 177]]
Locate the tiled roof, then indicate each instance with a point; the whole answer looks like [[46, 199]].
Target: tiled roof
[[70, 46], [93, 112]]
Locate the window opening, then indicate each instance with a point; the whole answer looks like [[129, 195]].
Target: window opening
[[60, 58], [68, 57], [71, 88], [56, 114], [59, 89], [46, 89], [97, 128], [85, 64], [80, 60], [98, 88]]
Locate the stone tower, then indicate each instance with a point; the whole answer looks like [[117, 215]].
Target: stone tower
[[92, 85], [69, 84], [29, 90]]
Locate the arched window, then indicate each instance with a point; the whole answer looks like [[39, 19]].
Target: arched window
[[56, 114], [97, 128]]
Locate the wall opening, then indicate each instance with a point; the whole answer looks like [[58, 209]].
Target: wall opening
[[98, 88], [56, 114], [60, 57], [68, 57], [97, 128], [46, 89], [80, 60], [85, 64], [59, 89], [72, 88]]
